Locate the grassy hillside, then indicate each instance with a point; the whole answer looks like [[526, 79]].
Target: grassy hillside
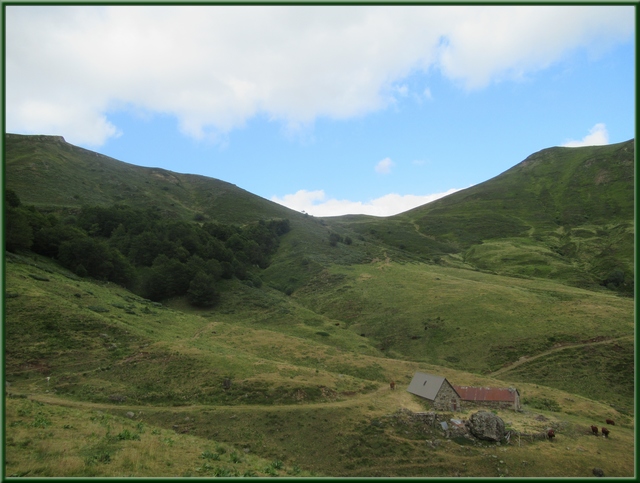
[[563, 213], [520, 281], [54, 176], [471, 320], [103, 383], [48, 172]]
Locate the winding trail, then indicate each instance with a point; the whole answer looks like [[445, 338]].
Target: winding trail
[[380, 397], [417, 228], [382, 392], [525, 359]]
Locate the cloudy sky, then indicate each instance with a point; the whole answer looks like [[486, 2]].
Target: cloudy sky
[[327, 109]]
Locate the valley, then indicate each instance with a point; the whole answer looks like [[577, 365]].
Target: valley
[[286, 371]]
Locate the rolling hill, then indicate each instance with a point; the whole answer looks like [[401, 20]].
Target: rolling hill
[[562, 213], [507, 283]]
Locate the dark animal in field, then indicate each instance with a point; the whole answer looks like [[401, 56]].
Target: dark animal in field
[[605, 432], [551, 434], [611, 422], [392, 384], [594, 430]]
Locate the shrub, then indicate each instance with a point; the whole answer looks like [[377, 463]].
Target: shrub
[[208, 455], [223, 472], [127, 435], [334, 238], [41, 421]]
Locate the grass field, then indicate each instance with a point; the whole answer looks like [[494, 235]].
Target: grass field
[[463, 318], [305, 396]]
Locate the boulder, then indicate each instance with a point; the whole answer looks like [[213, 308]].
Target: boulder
[[487, 426]]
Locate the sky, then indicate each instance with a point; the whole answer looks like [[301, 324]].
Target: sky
[[330, 110]]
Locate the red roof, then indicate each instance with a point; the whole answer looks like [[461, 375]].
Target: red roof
[[468, 393]]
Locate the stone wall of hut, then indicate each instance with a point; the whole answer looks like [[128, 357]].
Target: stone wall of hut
[[490, 404], [446, 395]]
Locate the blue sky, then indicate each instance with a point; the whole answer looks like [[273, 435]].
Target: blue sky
[[330, 110]]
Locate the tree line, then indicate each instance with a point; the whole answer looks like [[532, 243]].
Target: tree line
[[151, 255]]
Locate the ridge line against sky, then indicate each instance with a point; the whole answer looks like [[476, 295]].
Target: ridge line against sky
[[327, 109]]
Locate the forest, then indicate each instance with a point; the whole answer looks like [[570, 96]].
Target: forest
[[154, 256]]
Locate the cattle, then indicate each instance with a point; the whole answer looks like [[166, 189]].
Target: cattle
[[594, 430], [551, 434], [611, 422], [392, 385], [605, 432]]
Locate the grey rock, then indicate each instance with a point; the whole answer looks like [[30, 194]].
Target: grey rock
[[486, 426], [130, 415]]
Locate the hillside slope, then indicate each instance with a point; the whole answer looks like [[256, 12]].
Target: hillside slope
[[562, 213], [103, 383], [46, 171]]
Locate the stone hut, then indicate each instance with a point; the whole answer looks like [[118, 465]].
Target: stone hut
[[436, 389], [492, 397]]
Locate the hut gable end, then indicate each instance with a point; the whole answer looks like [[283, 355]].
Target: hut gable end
[[435, 389]]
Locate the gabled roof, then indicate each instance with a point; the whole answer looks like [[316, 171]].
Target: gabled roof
[[426, 385], [468, 393]]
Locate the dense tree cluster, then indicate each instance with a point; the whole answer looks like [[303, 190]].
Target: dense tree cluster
[[154, 256], [335, 238]]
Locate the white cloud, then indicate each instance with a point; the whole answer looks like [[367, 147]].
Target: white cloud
[[402, 90], [598, 136], [316, 204], [301, 200], [501, 43], [215, 67], [384, 166]]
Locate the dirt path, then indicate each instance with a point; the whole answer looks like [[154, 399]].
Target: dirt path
[[525, 359], [378, 398], [417, 227]]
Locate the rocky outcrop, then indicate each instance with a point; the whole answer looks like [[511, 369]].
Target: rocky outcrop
[[486, 425]]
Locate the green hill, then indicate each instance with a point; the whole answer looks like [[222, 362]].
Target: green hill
[[48, 172], [286, 371], [562, 213]]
